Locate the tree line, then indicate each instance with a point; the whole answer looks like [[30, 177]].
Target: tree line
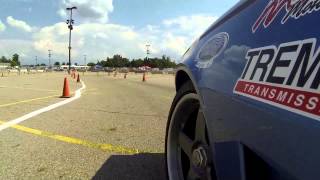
[[13, 61], [119, 61], [114, 62]]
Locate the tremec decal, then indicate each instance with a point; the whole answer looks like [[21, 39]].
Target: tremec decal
[[294, 9], [287, 76]]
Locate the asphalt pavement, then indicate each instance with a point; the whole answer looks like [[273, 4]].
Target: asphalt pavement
[[115, 130]]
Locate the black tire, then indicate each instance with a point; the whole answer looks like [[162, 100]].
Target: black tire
[[186, 88], [187, 150]]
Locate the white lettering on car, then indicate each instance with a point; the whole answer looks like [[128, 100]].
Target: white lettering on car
[[287, 76]]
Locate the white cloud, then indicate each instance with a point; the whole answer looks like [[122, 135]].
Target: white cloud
[[96, 40], [177, 44], [178, 33], [9, 46], [88, 10], [18, 24], [2, 26], [194, 24], [100, 40]]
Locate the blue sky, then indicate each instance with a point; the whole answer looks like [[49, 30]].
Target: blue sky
[[104, 27]]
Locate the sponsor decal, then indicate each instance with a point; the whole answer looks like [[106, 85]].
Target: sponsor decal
[[211, 49], [287, 76], [293, 9]]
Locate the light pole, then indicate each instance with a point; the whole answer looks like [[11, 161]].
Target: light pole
[[49, 57], [148, 50], [36, 61], [85, 63], [70, 23]]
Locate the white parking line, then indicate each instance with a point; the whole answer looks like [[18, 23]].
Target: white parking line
[[10, 123]]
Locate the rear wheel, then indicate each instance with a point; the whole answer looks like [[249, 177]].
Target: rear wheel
[[187, 146]]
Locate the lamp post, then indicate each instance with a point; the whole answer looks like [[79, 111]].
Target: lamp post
[[70, 23], [148, 50], [49, 58], [147, 57]]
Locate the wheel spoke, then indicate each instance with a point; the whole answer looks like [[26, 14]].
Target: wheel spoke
[[200, 128], [185, 143]]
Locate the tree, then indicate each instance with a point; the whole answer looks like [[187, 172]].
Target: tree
[[76, 64], [119, 61], [57, 63], [15, 60], [63, 63], [136, 63], [115, 61], [91, 64], [3, 59]]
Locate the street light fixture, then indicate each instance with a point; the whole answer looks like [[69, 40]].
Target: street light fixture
[[70, 23]]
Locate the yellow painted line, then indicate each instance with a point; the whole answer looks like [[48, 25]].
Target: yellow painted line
[[70, 140], [26, 101]]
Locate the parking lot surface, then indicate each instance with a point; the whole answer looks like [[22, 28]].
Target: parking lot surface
[[115, 130]]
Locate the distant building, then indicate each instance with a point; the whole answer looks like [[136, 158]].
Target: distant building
[[144, 68], [4, 65], [78, 67]]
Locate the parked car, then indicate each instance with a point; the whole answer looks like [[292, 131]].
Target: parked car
[[247, 101]]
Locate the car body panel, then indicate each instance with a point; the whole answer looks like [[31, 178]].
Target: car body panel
[[286, 141]]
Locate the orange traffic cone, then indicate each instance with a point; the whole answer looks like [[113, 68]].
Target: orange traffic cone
[[144, 77], [78, 78], [66, 89]]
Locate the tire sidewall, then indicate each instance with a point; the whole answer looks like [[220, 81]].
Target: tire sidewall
[[186, 88]]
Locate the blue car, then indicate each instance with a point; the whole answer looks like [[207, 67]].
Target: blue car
[[247, 104]]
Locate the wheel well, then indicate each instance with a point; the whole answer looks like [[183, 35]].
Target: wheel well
[[181, 78]]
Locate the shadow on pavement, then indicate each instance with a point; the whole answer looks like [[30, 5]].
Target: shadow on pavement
[[133, 167]]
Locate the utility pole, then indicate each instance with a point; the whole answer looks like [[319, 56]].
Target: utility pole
[[36, 60], [49, 57], [148, 50], [85, 62], [70, 23]]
